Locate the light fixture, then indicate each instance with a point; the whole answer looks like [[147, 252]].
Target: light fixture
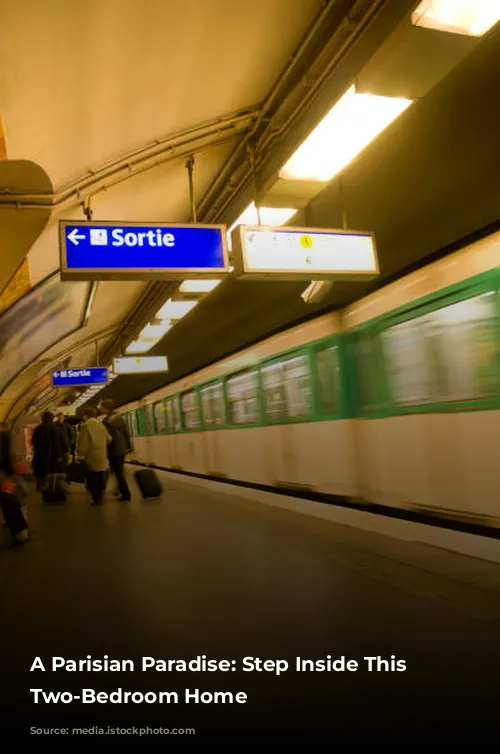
[[198, 286], [138, 346], [153, 333], [272, 216], [175, 309], [349, 127], [471, 17]]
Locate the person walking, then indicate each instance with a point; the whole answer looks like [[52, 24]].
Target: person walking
[[64, 427], [12, 491], [50, 449], [92, 447], [119, 447]]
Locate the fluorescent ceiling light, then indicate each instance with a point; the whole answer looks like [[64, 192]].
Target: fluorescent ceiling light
[[198, 286], [138, 347], [271, 216], [349, 127], [175, 309], [153, 333], [471, 17]]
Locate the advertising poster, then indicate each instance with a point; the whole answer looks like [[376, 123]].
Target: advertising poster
[[40, 319]]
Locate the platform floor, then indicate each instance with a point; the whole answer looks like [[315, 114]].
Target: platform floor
[[203, 573]]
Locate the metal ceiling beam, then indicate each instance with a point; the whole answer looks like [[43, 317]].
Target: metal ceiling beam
[[347, 49], [191, 141]]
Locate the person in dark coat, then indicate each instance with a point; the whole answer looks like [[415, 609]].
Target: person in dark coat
[[65, 427], [119, 447], [50, 447], [6, 465]]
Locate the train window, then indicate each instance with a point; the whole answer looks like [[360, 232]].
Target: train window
[[287, 388], [410, 370], [243, 398], [466, 335], [274, 391], [212, 401], [173, 414], [134, 426], [149, 425], [297, 379], [141, 428], [327, 366], [190, 410], [160, 416], [367, 360], [448, 355]]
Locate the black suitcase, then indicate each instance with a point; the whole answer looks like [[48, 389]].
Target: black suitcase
[[13, 515], [148, 482], [55, 489]]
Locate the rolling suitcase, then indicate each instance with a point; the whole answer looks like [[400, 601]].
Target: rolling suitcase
[[148, 482], [55, 489]]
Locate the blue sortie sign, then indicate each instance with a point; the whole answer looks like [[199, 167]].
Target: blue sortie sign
[[128, 251], [74, 377]]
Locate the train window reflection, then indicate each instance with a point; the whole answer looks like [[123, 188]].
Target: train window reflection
[[327, 365], [160, 416], [287, 388], [149, 424], [134, 424], [243, 398], [213, 405], [274, 391], [190, 410], [367, 359], [173, 414], [410, 370], [448, 355], [297, 379]]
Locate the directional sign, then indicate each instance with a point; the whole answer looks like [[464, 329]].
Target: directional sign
[[146, 251], [303, 254], [140, 364], [80, 377]]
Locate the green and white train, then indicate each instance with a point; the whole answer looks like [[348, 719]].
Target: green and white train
[[392, 401]]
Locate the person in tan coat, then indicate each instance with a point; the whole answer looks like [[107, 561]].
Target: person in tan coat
[[92, 447]]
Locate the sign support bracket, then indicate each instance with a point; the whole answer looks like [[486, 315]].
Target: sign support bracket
[[190, 169], [251, 156], [317, 290], [87, 209]]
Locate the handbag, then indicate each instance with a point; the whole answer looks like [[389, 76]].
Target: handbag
[[77, 472]]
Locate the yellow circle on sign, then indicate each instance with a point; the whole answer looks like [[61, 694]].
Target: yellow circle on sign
[[306, 242]]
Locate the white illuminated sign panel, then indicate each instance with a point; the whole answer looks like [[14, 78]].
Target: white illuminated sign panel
[[303, 254], [140, 365]]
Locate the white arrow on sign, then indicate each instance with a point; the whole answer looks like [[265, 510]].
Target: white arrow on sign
[[56, 374], [73, 236]]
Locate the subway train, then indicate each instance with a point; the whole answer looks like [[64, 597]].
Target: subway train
[[390, 403]]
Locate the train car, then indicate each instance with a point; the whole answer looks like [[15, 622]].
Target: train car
[[271, 415], [425, 353], [393, 401]]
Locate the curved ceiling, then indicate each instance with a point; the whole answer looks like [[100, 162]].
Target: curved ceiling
[[109, 103], [19, 230]]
